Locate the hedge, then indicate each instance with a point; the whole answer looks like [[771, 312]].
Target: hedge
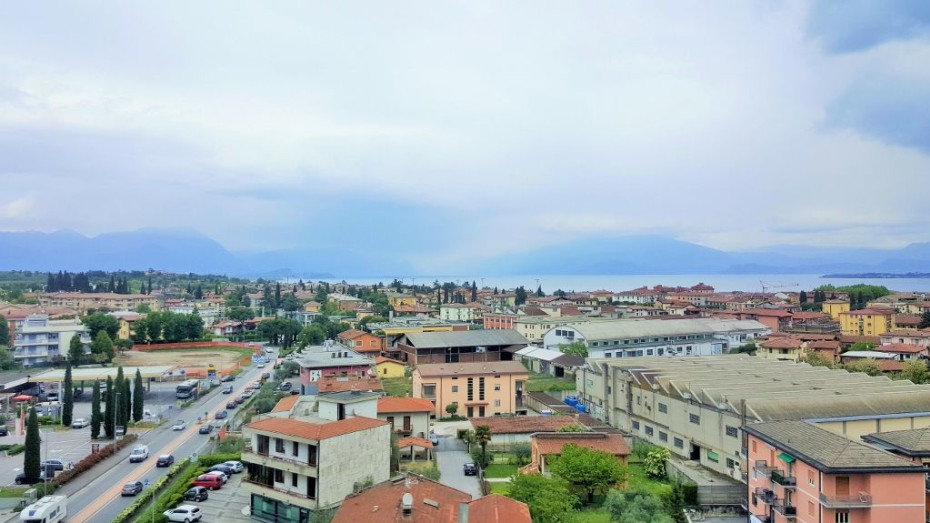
[[174, 494], [144, 499], [90, 460], [208, 460], [15, 449]]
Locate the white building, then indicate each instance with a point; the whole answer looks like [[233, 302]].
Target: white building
[[40, 340], [459, 312], [633, 338]]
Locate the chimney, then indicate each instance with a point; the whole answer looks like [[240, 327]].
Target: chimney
[[406, 503]]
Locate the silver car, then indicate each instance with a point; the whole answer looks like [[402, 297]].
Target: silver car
[[236, 466], [179, 425]]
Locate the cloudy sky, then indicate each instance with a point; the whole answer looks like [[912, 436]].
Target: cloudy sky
[[450, 129]]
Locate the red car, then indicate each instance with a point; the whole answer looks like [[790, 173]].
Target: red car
[[208, 481]]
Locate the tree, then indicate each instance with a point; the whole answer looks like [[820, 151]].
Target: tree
[[866, 365], [99, 321], [198, 292], [816, 359], [125, 400], [590, 470], [924, 321], [76, 349], [32, 454], [118, 396], [539, 292], [102, 347], [802, 297], [520, 298], [654, 462], [452, 408], [67, 408], [861, 346], [137, 397], [311, 335], [474, 292], [95, 418], [916, 371], [635, 506], [290, 302], [675, 504], [240, 313], [7, 361], [549, 498], [483, 436], [4, 331], [575, 348], [108, 420]]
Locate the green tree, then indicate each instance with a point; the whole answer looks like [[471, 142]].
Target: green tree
[[590, 470], [861, 346], [635, 506], [95, 417], [575, 348], [4, 331], [7, 361], [866, 365], [67, 408], [802, 297], [102, 347], [118, 398], [240, 313], [32, 454], [816, 359], [289, 302], [539, 292], [126, 403], [916, 371], [924, 321], [109, 421], [138, 397], [198, 292], [100, 321], [675, 504], [76, 349], [520, 298], [311, 335], [452, 408], [483, 436], [549, 498], [655, 460]]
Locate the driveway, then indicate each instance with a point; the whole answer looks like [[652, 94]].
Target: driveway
[[228, 504], [451, 457]]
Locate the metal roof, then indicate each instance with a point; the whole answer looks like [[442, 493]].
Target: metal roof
[[636, 328], [101, 373], [537, 353], [478, 338]]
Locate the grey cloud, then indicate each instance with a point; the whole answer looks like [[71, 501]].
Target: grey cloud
[[849, 26]]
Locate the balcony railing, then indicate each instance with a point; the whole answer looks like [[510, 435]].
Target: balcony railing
[[277, 489], [783, 480], [765, 495], [789, 511], [761, 468], [248, 450], [860, 500]]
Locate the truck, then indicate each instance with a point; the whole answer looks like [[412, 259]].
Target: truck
[[49, 509]]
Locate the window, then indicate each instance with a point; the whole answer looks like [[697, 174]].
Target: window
[[663, 436], [497, 386], [842, 516], [731, 464], [480, 389], [455, 388], [294, 447], [810, 478], [278, 445], [648, 430], [279, 475], [471, 389], [639, 400], [311, 458], [733, 432], [663, 408], [635, 425], [429, 391], [608, 355], [694, 418], [293, 479], [497, 403], [390, 419], [679, 443], [754, 446]]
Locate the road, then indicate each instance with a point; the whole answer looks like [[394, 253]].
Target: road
[[100, 500], [451, 458]]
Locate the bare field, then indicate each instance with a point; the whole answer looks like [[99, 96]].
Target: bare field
[[188, 358]]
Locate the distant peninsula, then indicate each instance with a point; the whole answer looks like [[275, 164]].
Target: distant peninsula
[[877, 275]]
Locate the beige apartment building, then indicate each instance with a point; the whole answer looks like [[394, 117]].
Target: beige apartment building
[[479, 388], [82, 301]]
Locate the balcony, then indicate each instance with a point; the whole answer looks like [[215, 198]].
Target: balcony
[[788, 511], [860, 500], [761, 468], [780, 478], [268, 460], [281, 494], [765, 495]]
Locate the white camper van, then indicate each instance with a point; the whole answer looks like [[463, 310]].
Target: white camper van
[[49, 509]]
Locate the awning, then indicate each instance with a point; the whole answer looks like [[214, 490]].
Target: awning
[[22, 397], [786, 458]]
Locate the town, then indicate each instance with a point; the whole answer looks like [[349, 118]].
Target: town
[[184, 397]]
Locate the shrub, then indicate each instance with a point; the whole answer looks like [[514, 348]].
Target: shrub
[[460, 433], [89, 461], [15, 449], [654, 464], [208, 460], [144, 499]]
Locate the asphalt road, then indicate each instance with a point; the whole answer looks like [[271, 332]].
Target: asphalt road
[[451, 458], [100, 500]]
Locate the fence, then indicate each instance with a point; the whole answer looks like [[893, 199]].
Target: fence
[[202, 373], [194, 345]]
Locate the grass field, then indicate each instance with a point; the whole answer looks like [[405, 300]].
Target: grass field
[[498, 470], [546, 383], [499, 488], [398, 386], [596, 515], [637, 480]]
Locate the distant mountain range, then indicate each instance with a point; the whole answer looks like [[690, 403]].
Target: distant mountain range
[[186, 250]]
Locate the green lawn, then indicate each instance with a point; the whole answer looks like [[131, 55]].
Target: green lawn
[[498, 470], [638, 480], [546, 383], [596, 515], [499, 488], [398, 386]]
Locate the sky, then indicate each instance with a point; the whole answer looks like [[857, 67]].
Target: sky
[[451, 130]]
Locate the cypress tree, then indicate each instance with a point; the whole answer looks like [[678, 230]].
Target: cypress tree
[[95, 418], [108, 422], [68, 403], [137, 397], [125, 400], [32, 457], [118, 396]]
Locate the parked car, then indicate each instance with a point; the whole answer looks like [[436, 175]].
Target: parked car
[[55, 464], [80, 423], [471, 469], [21, 478], [196, 494], [221, 467], [261, 365], [235, 466], [266, 376], [227, 378], [433, 438], [295, 392], [209, 481], [269, 350], [222, 414], [240, 400], [131, 489], [165, 460], [285, 386], [179, 425], [206, 428], [185, 513], [247, 394], [140, 453], [4, 431], [228, 389]]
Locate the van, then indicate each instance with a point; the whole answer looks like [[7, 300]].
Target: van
[[49, 509], [140, 453]]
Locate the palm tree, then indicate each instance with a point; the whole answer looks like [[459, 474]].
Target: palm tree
[[483, 436]]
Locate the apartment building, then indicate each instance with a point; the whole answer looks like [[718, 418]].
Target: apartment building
[[696, 407], [330, 360], [307, 458], [635, 338], [805, 474], [407, 416], [463, 346], [909, 337], [834, 308], [867, 322], [82, 301], [468, 312], [361, 341], [479, 388], [40, 340]]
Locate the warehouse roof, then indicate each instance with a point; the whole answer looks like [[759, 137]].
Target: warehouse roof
[[635, 328], [100, 373], [439, 340], [912, 442]]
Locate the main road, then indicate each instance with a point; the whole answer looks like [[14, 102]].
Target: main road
[[100, 500]]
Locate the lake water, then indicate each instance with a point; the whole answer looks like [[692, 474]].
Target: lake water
[[721, 282]]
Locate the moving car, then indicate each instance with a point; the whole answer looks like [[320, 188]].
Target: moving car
[[235, 466], [266, 376], [206, 428], [179, 425], [247, 394], [261, 365], [240, 400], [228, 378], [208, 481], [80, 423], [165, 460], [231, 404], [140, 453], [433, 438], [470, 469], [222, 414], [131, 489], [56, 464], [196, 494], [228, 389], [185, 513]]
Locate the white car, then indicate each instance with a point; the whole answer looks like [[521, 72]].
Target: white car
[[261, 365], [179, 425], [223, 477], [185, 513], [138, 454], [236, 466], [80, 423]]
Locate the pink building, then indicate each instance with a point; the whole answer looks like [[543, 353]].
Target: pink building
[[805, 474]]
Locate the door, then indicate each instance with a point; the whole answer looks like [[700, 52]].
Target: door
[[471, 412], [480, 412], [842, 485], [407, 428], [695, 452]]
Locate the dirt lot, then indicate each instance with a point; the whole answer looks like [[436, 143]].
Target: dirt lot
[[188, 358]]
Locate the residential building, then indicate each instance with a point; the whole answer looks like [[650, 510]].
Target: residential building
[[126, 321], [40, 341], [533, 328], [674, 337], [388, 368], [83, 301], [915, 337], [398, 299], [479, 388], [867, 322], [551, 362], [886, 361], [546, 445], [775, 320], [400, 326], [507, 430], [416, 499], [907, 321], [695, 407], [499, 320], [344, 302], [834, 308], [782, 348], [312, 306], [804, 473], [300, 461], [328, 384], [331, 359], [407, 416], [364, 343], [452, 347], [468, 312], [414, 310]]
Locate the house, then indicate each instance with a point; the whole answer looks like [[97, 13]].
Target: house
[[829, 349], [507, 430], [312, 306], [460, 312], [40, 340], [344, 302], [332, 360], [389, 368], [551, 362], [917, 337], [398, 299], [415, 499], [299, 463], [782, 348], [227, 328], [886, 361], [328, 384], [479, 388], [98, 301], [126, 321], [462, 346], [362, 342], [801, 472], [904, 351], [907, 321], [867, 322], [776, 320], [545, 445], [414, 310], [407, 416]]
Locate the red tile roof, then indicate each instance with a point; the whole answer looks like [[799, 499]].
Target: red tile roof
[[415, 442], [907, 319], [341, 384], [382, 359], [315, 431], [782, 343], [395, 404], [552, 443], [495, 508], [525, 424], [870, 312], [382, 503], [351, 334], [901, 348], [824, 345], [767, 312], [285, 404]]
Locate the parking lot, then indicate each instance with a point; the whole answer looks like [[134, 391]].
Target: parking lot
[[228, 504]]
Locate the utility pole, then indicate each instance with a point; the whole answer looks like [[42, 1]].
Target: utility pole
[[115, 410]]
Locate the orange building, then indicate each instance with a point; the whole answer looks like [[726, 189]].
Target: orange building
[[361, 341], [479, 388], [805, 474]]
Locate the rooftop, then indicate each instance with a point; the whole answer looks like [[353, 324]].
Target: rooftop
[[315, 431], [438, 340], [553, 442], [349, 383], [829, 452], [525, 424], [633, 328], [470, 368], [285, 404], [913, 442], [395, 404]]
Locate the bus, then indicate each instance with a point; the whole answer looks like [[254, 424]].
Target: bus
[[187, 389], [47, 510]]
